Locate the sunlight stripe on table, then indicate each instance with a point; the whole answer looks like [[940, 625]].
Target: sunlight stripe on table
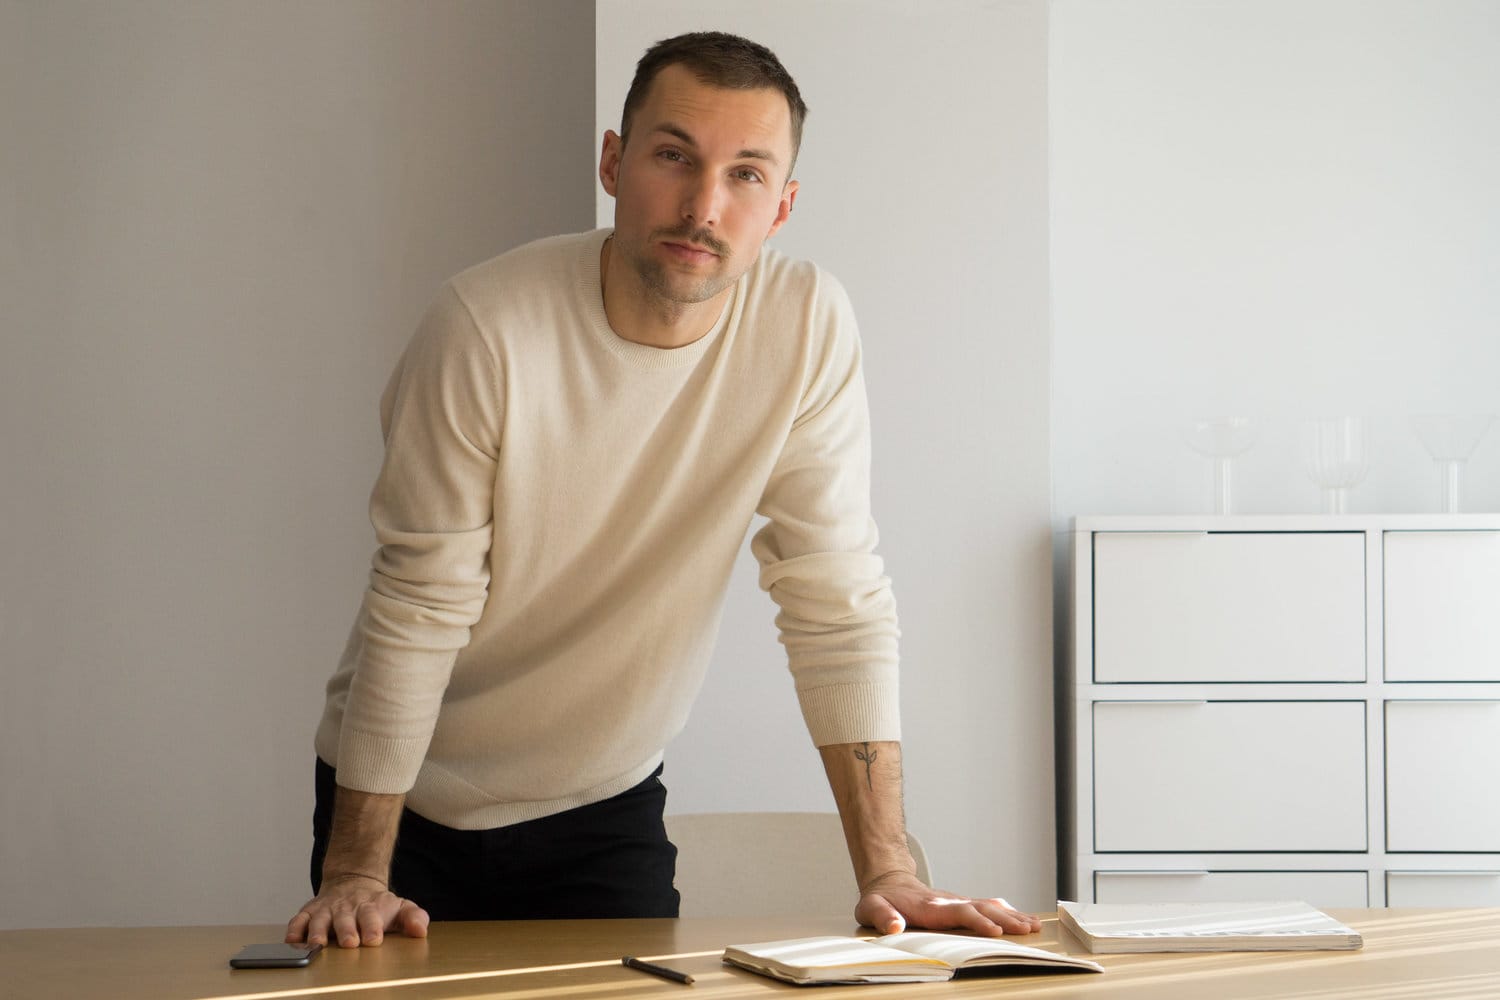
[[456, 977]]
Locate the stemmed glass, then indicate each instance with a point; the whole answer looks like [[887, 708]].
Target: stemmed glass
[[1333, 451], [1221, 439], [1450, 438]]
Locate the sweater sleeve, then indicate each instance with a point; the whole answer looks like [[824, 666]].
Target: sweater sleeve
[[432, 510], [837, 615]]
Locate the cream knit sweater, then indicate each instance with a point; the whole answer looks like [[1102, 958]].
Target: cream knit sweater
[[558, 513]]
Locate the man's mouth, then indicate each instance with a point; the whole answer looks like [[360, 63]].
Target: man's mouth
[[691, 251], [692, 244]]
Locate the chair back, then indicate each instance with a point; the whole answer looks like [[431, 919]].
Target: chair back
[[764, 864]]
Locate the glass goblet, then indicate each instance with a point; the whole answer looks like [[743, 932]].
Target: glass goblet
[[1333, 452], [1450, 438], [1221, 439]]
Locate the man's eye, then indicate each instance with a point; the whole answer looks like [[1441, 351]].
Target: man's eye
[[671, 154], [747, 174]]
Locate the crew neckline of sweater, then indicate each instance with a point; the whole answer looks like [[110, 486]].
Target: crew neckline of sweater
[[642, 356]]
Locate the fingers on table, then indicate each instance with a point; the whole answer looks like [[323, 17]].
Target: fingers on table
[[1011, 920], [296, 928], [412, 919]]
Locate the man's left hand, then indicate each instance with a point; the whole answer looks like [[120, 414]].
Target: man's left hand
[[898, 902]]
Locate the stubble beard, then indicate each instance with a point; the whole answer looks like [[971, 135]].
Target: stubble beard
[[659, 282]]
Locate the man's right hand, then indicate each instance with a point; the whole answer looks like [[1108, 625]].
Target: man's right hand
[[353, 907], [355, 910]]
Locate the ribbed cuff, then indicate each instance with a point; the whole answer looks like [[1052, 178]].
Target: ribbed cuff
[[852, 713], [379, 765]]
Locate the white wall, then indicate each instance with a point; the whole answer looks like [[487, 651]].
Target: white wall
[[219, 224], [923, 179], [1278, 208]]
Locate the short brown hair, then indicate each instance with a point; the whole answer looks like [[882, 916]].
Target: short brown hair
[[720, 60]]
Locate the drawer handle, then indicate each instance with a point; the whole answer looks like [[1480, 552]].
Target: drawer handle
[[1442, 531], [1178, 873], [1174, 533], [1454, 874]]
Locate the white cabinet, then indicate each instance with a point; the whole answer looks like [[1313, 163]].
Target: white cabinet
[[1229, 776], [1442, 605], [1451, 888], [1213, 606], [1347, 889], [1442, 770], [1274, 707]]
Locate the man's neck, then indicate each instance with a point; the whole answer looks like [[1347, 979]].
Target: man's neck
[[642, 318]]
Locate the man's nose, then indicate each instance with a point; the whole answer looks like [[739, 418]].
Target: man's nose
[[702, 201]]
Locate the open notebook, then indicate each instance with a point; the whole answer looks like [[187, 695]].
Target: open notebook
[[911, 957], [1115, 928]]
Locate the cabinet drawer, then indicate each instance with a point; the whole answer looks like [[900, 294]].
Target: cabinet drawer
[[1321, 889], [1442, 592], [1442, 888], [1223, 607], [1441, 759], [1229, 776]]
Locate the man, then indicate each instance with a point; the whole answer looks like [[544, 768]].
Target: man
[[576, 441]]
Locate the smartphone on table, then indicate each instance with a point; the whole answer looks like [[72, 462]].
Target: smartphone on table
[[275, 956]]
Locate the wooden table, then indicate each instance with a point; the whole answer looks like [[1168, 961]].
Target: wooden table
[[1408, 955]]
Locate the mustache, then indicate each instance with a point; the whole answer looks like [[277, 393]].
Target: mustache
[[700, 236]]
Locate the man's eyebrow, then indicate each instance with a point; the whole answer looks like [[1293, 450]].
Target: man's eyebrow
[[678, 132]]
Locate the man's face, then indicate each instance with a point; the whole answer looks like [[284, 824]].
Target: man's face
[[701, 184]]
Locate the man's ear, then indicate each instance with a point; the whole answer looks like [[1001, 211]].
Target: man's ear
[[609, 161], [788, 196]]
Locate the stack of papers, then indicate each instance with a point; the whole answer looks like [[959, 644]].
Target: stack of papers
[[1116, 928]]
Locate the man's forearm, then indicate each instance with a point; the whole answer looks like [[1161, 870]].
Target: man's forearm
[[866, 783], [349, 910], [363, 837]]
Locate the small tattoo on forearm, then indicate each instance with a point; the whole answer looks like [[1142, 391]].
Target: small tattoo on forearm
[[868, 756]]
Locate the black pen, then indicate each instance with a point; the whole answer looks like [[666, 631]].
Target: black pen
[[657, 970]]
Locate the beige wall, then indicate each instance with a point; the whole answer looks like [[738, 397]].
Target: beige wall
[[218, 225]]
